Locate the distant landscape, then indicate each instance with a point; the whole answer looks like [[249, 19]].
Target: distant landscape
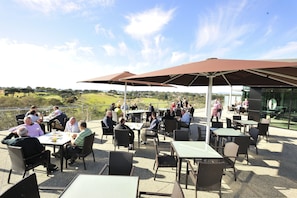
[[84, 104]]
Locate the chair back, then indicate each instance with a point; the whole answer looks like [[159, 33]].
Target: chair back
[[263, 128], [27, 187], [217, 124], [120, 163], [254, 133], [170, 125], [236, 117], [243, 142], [229, 123], [105, 129], [88, 145], [209, 175], [181, 135], [231, 149], [20, 119], [17, 159], [199, 138], [177, 191], [121, 137]]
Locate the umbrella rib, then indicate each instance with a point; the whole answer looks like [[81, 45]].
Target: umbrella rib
[[271, 77], [276, 74], [171, 79]]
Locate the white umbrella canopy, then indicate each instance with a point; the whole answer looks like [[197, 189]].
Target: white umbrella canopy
[[119, 79], [229, 72]]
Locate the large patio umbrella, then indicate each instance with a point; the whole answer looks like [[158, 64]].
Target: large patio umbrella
[[230, 72], [118, 79]]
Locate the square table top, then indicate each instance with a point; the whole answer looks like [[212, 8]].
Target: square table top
[[104, 186], [134, 125], [246, 122], [62, 138], [194, 150], [227, 132]]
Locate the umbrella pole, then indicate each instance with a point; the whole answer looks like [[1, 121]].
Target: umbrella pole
[[208, 109], [125, 93]]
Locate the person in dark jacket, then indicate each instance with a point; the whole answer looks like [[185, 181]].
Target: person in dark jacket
[[30, 147]]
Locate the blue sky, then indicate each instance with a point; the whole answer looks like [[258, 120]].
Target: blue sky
[[55, 43]]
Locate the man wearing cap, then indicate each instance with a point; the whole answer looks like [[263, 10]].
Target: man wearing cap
[[30, 147]]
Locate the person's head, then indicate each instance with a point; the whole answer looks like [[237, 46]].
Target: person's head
[[55, 107], [22, 132], [122, 120], [72, 120], [32, 112], [82, 125], [183, 111], [33, 107], [153, 115], [27, 120], [108, 114]]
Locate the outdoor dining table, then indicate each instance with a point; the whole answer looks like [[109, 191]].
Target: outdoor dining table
[[56, 138], [135, 126], [225, 132], [104, 186], [192, 150], [246, 123]]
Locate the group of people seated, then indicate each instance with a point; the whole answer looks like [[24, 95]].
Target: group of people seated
[[183, 121], [25, 136]]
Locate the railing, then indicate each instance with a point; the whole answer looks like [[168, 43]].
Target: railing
[[82, 112]]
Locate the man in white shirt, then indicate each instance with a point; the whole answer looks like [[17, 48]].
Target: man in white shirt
[[72, 126]]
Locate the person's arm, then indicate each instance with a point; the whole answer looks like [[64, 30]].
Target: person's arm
[[8, 139]]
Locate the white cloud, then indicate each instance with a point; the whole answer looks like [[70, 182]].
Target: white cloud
[[62, 66], [102, 31], [67, 6], [148, 23], [177, 57], [289, 50], [109, 49], [221, 28]]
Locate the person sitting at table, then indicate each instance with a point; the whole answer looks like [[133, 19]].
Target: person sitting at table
[[169, 114], [56, 112], [71, 127], [185, 119], [152, 130], [34, 129], [108, 122], [134, 107], [77, 142], [37, 113], [30, 147], [36, 118], [122, 125]]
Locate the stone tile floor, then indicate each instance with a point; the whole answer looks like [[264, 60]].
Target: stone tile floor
[[271, 173]]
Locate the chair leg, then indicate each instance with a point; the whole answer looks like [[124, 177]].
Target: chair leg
[[155, 173], [9, 175], [187, 173], [84, 163], [256, 149], [234, 173], [101, 138], [93, 155]]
